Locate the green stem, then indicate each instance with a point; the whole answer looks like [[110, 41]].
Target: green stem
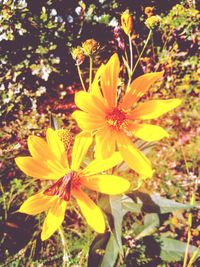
[[187, 248], [131, 60], [64, 244], [189, 235], [145, 45], [80, 77], [131, 52], [90, 78]]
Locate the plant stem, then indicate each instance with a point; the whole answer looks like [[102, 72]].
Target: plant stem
[[80, 77], [64, 244], [145, 45], [131, 53], [90, 77], [192, 201], [131, 61]]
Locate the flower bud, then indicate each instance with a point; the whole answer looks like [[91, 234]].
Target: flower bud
[[127, 22], [153, 21], [148, 11], [78, 55], [89, 47]]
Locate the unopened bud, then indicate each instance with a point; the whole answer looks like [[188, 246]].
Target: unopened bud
[[127, 22]]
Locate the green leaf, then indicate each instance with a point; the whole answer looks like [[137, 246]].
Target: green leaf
[[54, 123], [111, 253], [97, 250], [103, 251], [118, 214], [128, 204], [173, 250], [151, 222], [157, 204], [112, 206]]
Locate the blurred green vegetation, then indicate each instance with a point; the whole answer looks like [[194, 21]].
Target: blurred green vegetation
[[38, 76]]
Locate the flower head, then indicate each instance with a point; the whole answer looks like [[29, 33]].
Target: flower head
[[89, 47], [127, 22], [49, 161], [153, 21], [78, 55], [114, 121]]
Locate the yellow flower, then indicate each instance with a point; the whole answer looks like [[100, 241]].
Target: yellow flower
[[114, 121], [48, 161], [126, 22]]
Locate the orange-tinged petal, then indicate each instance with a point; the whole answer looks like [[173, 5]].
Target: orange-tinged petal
[[154, 109], [36, 204], [109, 79], [133, 157], [40, 150], [90, 211], [105, 142], [138, 88], [149, 132], [89, 103], [88, 122], [100, 165], [39, 169], [80, 148], [54, 218], [95, 89], [107, 184], [57, 147]]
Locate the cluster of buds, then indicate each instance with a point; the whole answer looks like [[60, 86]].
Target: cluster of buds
[[127, 22], [88, 48]]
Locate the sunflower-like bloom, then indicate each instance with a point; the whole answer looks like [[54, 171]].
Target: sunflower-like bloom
[[49, 161], [113, 121]]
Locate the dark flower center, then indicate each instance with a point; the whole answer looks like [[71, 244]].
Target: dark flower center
[[62, 187], [117, 119]]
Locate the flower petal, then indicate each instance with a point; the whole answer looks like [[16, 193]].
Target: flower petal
[[36, 204], [138, 88], [87, 121], [39, 169], [154, 109], [107, 184], [149, 132], [90, 103], [100, 165], [95, 89], [40, 150], [90, 211], [57, 147], [105, 142], [109, 79], [80, 148], [54, 218], [133, 157]]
